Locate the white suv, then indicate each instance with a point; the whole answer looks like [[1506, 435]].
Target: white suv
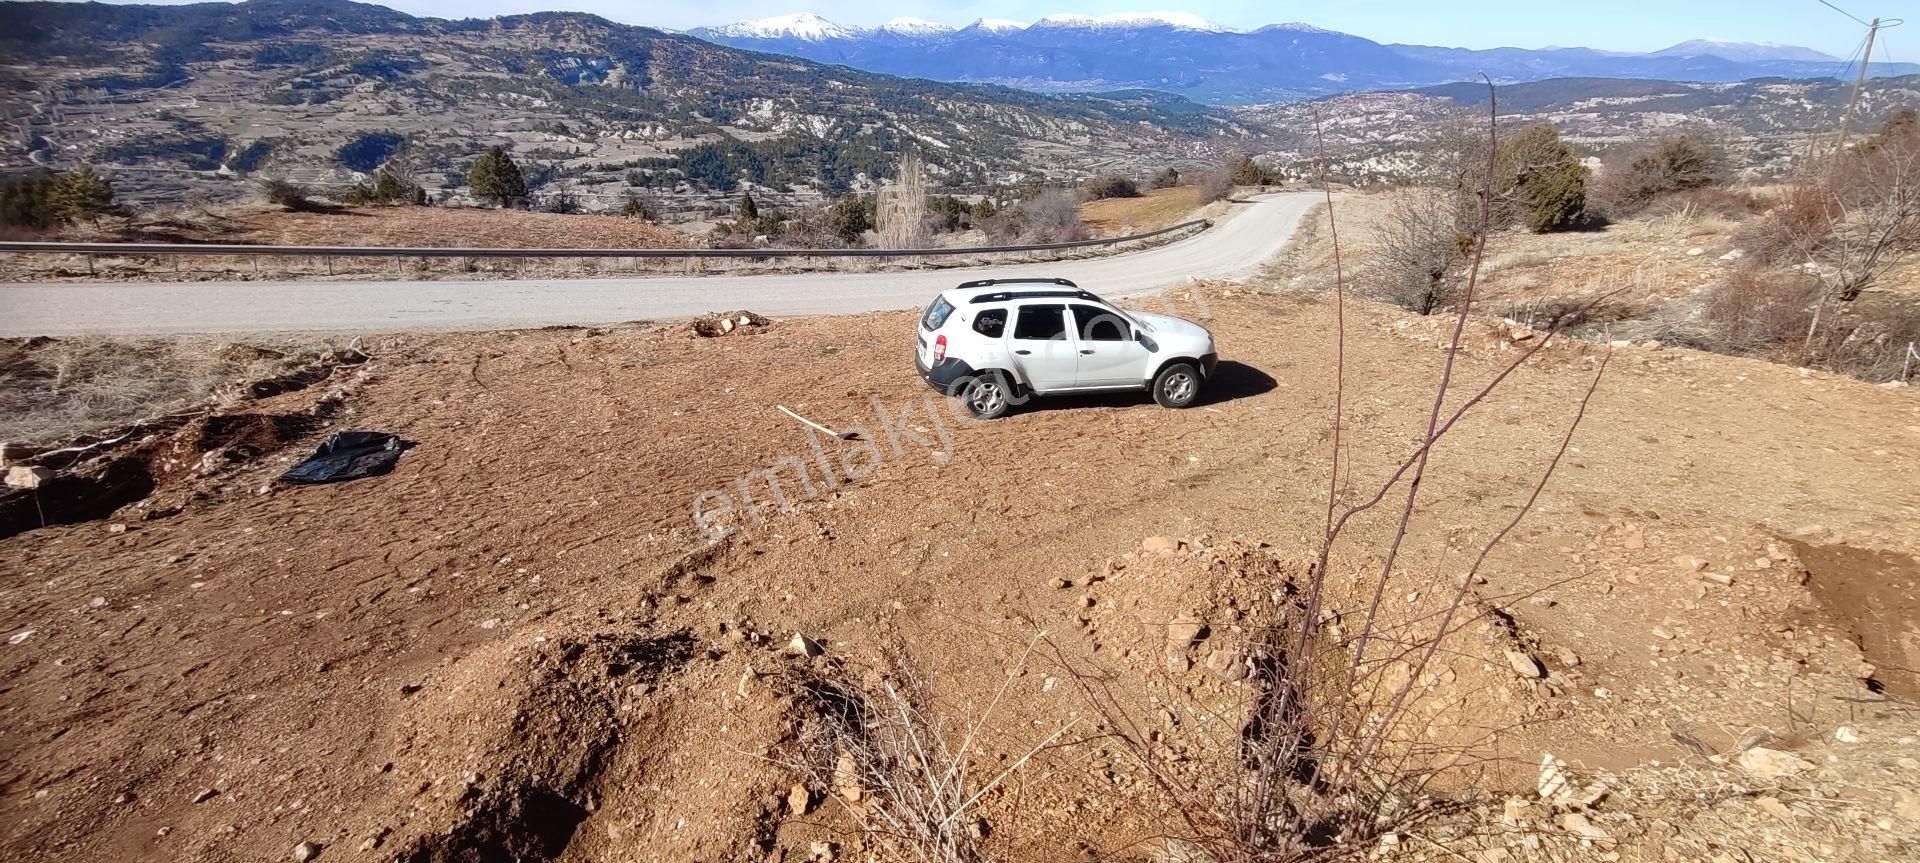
[[996, 341]]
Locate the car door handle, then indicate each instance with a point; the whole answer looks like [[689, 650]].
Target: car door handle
[[1085, 352], [1024, 353]]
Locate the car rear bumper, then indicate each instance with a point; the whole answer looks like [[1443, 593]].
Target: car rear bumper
[[944, 374]]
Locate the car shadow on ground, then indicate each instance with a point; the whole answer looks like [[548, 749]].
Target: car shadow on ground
[[1230, 381]]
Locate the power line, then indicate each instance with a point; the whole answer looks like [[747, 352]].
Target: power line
[[1855, 18]]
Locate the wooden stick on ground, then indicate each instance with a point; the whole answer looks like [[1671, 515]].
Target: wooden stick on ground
[[784, 410]]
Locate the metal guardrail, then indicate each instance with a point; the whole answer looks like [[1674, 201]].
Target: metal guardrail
[[165, 249]]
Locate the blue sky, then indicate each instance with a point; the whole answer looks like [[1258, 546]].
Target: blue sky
[[1618, 25]]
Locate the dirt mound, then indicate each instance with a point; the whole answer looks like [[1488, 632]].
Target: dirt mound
[[508, 747], [736, 323], [1205, 622]]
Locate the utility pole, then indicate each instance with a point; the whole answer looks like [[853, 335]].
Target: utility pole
[[1846, 116]]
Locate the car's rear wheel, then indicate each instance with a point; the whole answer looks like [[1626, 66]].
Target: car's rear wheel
[[1177, 385], [988, 396]]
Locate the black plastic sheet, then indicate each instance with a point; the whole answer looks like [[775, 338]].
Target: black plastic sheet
[[348, 455]]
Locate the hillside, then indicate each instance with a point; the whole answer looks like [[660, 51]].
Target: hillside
[[1767, 122], [180, 100]]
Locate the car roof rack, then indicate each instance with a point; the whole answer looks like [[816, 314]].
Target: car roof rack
[[1003, 296], [988, 283]]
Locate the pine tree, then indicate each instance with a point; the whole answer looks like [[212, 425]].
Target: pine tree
[[1540, 181], [79, 195], [495, 177], [749, 211]]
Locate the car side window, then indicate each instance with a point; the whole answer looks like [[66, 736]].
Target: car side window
[[991, 323], [1096, 324], [1041, 323]]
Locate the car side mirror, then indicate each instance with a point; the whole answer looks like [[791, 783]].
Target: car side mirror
[[1148, 343]]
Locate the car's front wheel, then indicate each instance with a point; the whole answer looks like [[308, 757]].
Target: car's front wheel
[[1177, 385], [988, 396]]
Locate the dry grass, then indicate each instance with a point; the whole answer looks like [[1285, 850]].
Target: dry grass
[[454, 226], [52, 389], [1118, 217], [909, 780]]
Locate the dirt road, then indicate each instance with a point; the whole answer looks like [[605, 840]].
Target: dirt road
[[1248, 236]]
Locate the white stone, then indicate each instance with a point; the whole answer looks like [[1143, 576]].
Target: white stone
[[24, 476]]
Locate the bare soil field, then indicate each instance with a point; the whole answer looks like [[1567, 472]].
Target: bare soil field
[[1118, 217], [457, 226], [522, 644]]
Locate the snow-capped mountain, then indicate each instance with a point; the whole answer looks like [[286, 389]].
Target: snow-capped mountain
[[1745, 52], [911, 26], [1132, 21], [805, 26], [1182, 53], [996, 25]]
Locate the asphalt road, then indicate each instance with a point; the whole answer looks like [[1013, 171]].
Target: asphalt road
[[1236, 246]]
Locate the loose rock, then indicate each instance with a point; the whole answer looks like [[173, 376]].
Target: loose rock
[[804, 646], [1525, 665], [24, 476], [1769, 763]]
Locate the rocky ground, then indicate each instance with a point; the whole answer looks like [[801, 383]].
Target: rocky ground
[[524, 643]]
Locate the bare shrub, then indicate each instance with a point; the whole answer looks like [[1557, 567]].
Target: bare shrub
[[1109, 186], [1871, 339], [1578, 313], [292, 197], [1772, 314], [1332, 753], [1053, 216], [1789, 230], [1755, 312], [1214, 185], [906, 776], [1420, 247], [1165, 178], [1674, 163], [1725, 202], [1873, 193]]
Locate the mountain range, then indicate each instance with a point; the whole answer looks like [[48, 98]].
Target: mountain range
[[185, 100], [1190, 56]]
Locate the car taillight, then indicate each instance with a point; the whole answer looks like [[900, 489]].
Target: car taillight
[[939, 349]]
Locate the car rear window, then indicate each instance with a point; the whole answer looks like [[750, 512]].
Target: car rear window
[[936, 316]]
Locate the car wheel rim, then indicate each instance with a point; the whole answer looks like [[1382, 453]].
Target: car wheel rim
[[985, 398], [1179, 387]]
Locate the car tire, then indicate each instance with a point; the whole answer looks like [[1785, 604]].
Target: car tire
[[1177, 385], [987, 396]]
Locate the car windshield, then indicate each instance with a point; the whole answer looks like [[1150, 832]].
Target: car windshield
[[936, 316]]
